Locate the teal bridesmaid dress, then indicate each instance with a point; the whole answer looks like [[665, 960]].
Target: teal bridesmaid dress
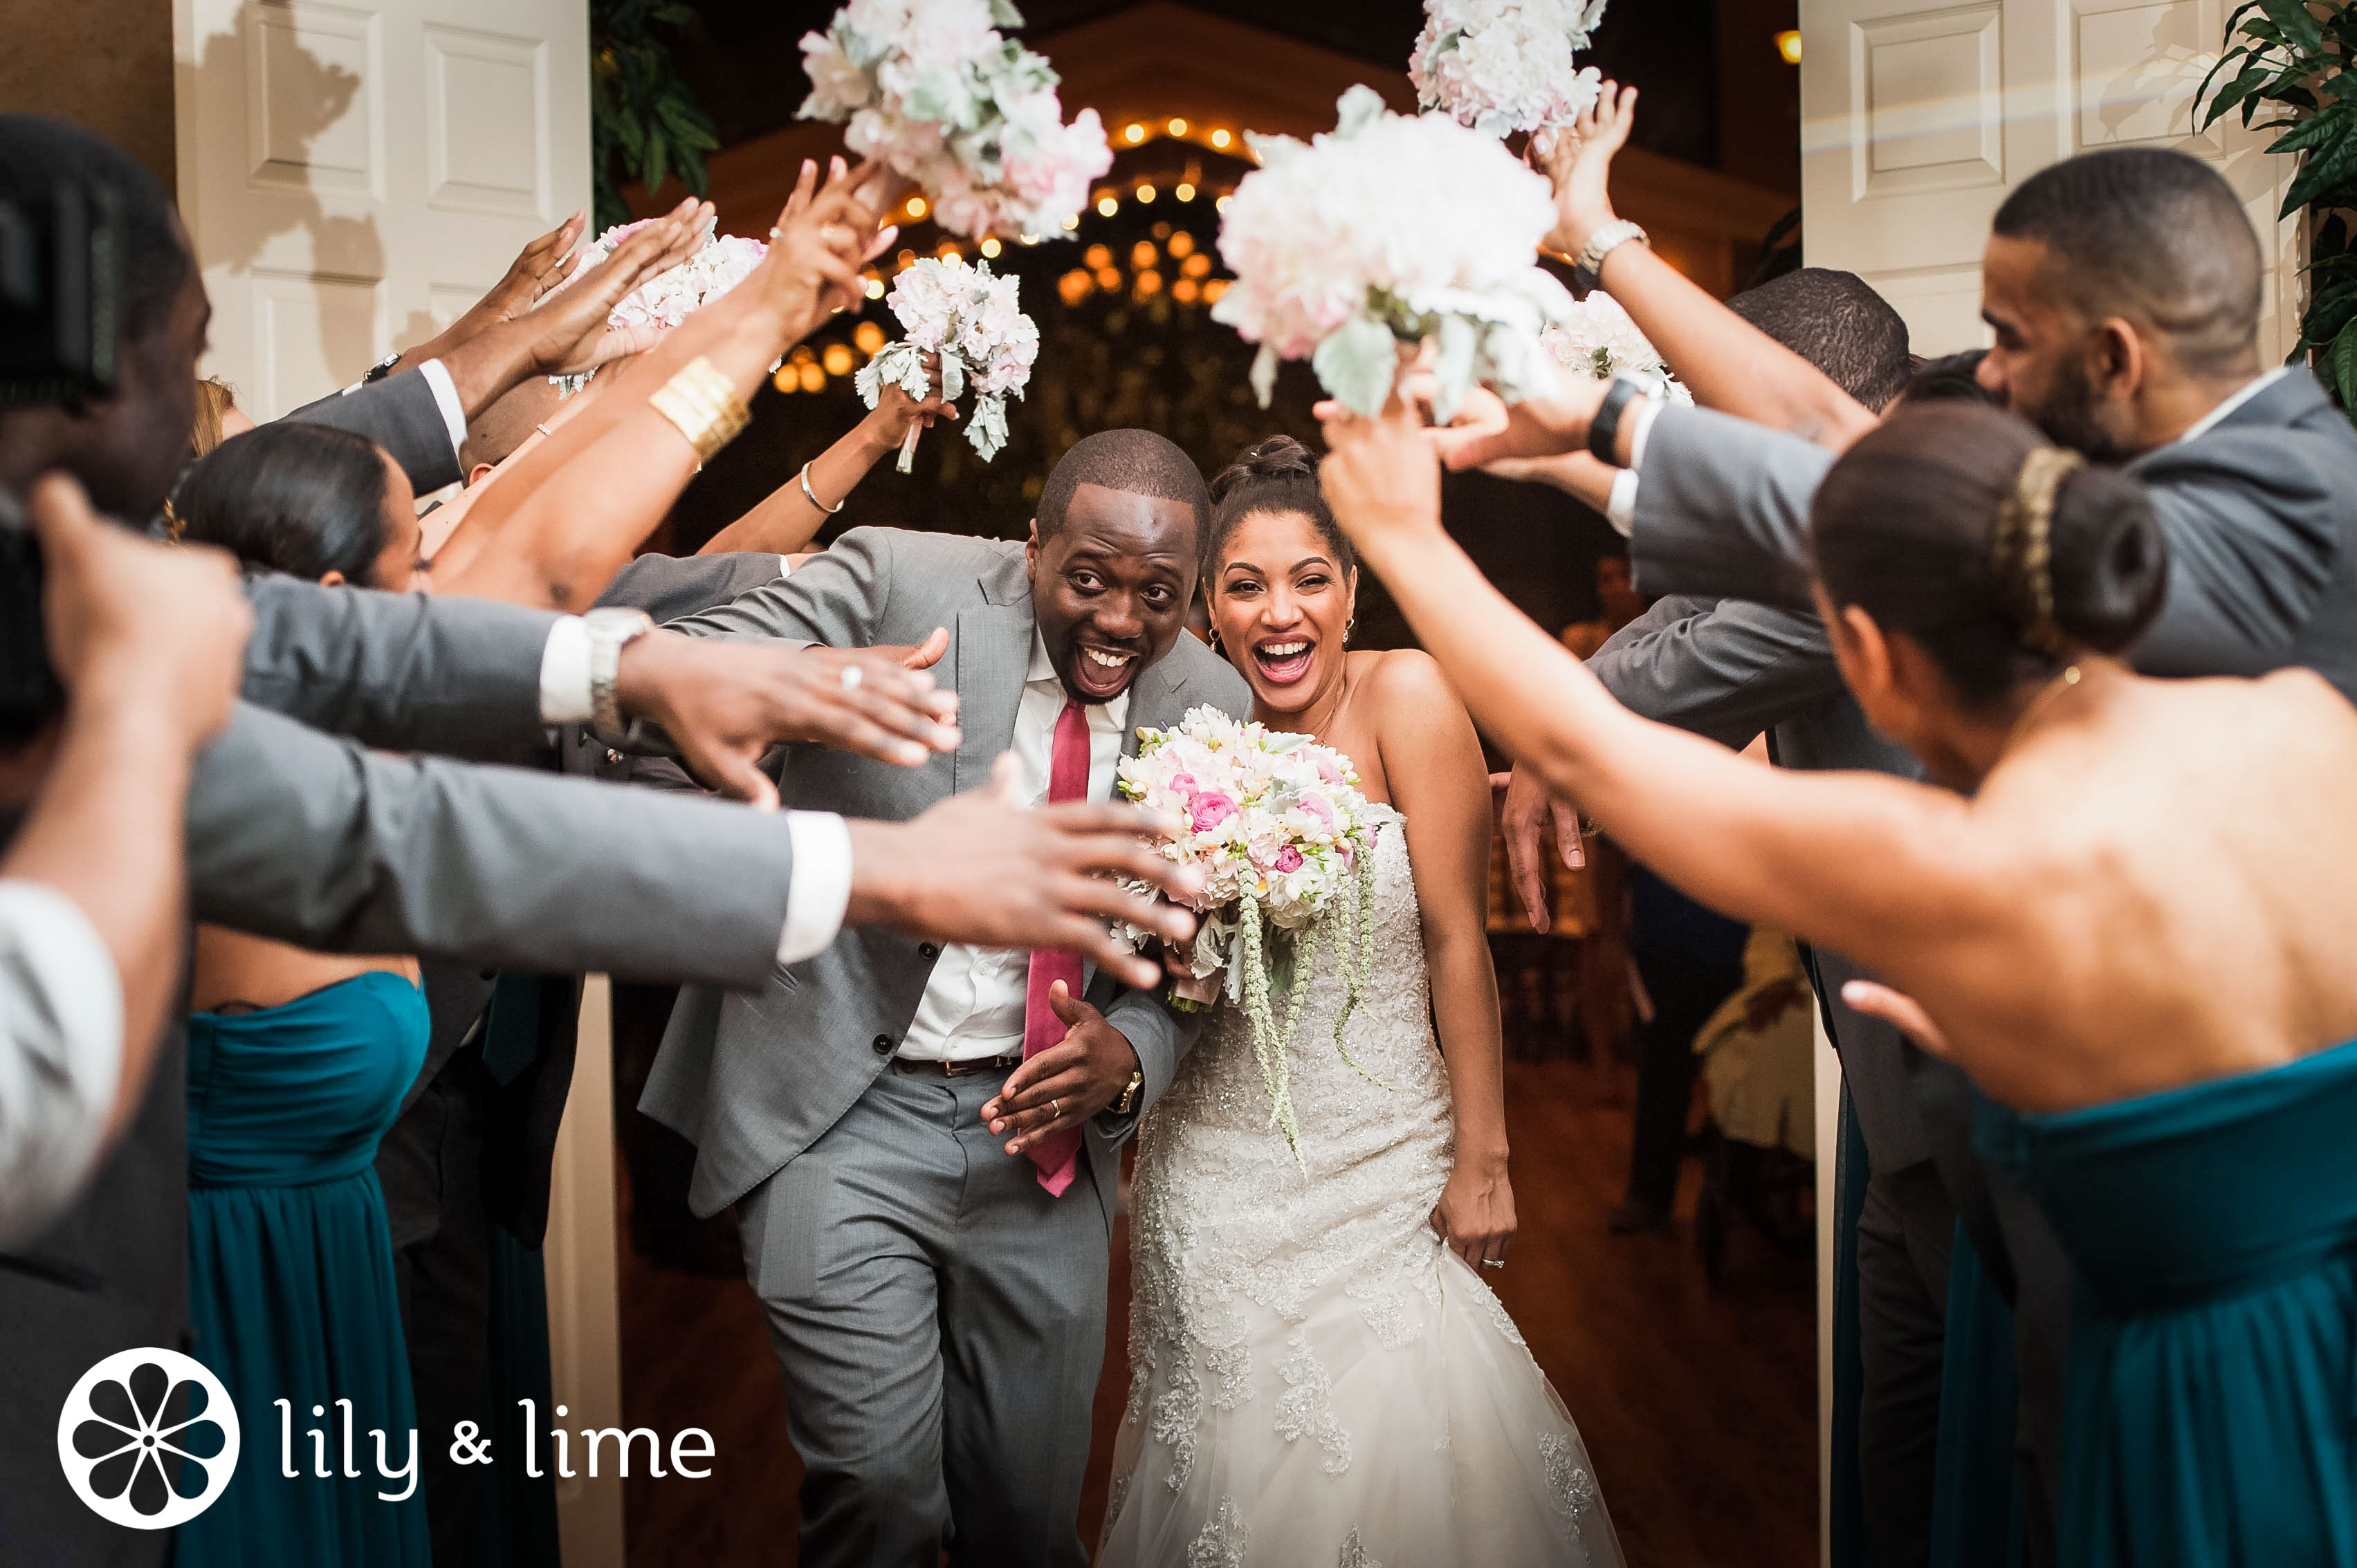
[[290, 1273], [2211, 1382]]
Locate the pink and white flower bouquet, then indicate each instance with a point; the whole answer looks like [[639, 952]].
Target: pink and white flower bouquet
[[1599, 339], [1392, 229], [1286, 842], [934, 91], [970, 320], [668, 299], [1502, 66]]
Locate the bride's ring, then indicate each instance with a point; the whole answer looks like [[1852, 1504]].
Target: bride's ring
[[1493, 1263], [851, 677]]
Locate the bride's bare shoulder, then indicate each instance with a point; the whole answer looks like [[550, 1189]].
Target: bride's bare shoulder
[[1401, 678]]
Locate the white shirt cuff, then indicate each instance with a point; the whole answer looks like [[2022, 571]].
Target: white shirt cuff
[[1641, 425], [564, 674], [785, 565], [446, 398], [822, 888], [1620, 511], [60, 1056]]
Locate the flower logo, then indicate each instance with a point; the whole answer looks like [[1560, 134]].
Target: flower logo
[[147, 1439]]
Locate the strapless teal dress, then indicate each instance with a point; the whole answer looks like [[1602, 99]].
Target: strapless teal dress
[[290, 1272], [2211, 1382]]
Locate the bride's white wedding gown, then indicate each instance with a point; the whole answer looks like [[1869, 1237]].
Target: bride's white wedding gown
[[1314, 1379]]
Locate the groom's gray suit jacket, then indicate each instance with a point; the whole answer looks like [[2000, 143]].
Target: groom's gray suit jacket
[[754, 1077]]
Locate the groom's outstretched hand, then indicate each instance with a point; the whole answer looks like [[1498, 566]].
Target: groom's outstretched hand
[[1066, 1084], [984, 868]]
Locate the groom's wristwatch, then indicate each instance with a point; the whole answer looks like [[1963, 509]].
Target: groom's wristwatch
[[1128, 1100]]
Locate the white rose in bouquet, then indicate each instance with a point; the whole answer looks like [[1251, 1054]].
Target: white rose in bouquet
[[934, 91], [1599, 339], [1502, 66], [1387, 230], [666, 300], [972, 322]]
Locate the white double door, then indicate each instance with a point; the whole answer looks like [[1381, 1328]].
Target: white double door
[[354, 174], [1917, 118]]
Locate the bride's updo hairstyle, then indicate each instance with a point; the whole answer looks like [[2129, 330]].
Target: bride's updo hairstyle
[[2003, 556], [1278, 475]]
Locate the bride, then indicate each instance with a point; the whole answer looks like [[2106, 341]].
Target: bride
[[1320, 1375]]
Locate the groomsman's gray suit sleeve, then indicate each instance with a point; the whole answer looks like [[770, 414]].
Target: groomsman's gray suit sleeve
[[405, 671], [670, 586], [1728, 670], [1723, 511], [400, 413], [838, 598], [310, 839]]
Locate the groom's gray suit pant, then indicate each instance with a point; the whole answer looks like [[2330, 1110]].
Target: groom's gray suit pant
[[940, 1320]]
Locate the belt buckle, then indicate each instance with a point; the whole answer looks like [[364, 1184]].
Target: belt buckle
[[967, 1068]]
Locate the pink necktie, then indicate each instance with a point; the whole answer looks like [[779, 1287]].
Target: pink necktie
[[1057, 1154]]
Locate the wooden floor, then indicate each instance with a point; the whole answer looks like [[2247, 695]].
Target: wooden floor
[[1699, 1407]]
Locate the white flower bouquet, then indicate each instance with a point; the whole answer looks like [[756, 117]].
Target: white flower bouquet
[[931, 87], [1284, 838], [1502, 66], [669, 298], [1389, 231], [971, 321], [1599, 339]]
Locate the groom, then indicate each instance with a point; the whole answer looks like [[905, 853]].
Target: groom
[[932, 1262]]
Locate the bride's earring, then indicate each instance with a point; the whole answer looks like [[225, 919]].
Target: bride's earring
[[1348, 626]]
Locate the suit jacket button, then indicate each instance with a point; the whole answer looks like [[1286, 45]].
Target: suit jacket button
[[927, 951], [883, 1045]]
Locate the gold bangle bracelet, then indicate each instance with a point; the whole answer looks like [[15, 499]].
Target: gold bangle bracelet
[[705, 407]]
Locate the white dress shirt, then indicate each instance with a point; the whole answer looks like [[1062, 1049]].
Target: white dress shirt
[[973, 1006], [60, 1053], [2241, 395]]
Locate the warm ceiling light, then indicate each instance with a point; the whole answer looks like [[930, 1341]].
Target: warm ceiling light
[[1149, 285], [1788, 44], [1177, 127], [1213, 289], [874, 288], [1097, 256], [1195, 266], [838, 359], [1182, 244], [814, 378], [990, 245], [868, 336], [1143, 255], [917, 207], [1144, 193], [1108, 279], [788, 379], [1107, 206], [1074, 286], [1220, 138], [1184, 192], [1134, 135], [1184, 291], [1073, 222], [1221, 204]]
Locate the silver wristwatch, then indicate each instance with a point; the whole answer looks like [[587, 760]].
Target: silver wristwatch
[[610, 630], [1607, 240]]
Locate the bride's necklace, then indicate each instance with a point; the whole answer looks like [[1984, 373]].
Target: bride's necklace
[[2069, 676]]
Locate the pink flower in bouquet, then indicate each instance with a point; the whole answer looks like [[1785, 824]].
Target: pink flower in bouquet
[[1209, 810], [1319, 807], [1288, 859]]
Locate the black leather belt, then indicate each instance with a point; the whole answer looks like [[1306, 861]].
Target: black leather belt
[[967, 1068]]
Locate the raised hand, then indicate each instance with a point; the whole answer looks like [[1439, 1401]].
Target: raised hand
[[539, 267], [821, 239], [1546, 423], [1069, 1082], [1379, 475], [896, 413], [724, 705], [133, 625], [981, 868], [573, 334], [1580, 166]]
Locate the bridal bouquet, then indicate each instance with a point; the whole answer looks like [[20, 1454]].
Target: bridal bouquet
[[1391, 231], [669, 298], [1505, 65], [1599, 339], [969, 320], [1278, 825], [932, 90]]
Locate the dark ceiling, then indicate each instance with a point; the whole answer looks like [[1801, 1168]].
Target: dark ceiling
[[744, 61]]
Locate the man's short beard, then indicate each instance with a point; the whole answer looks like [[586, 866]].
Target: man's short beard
[[2068, 415]]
